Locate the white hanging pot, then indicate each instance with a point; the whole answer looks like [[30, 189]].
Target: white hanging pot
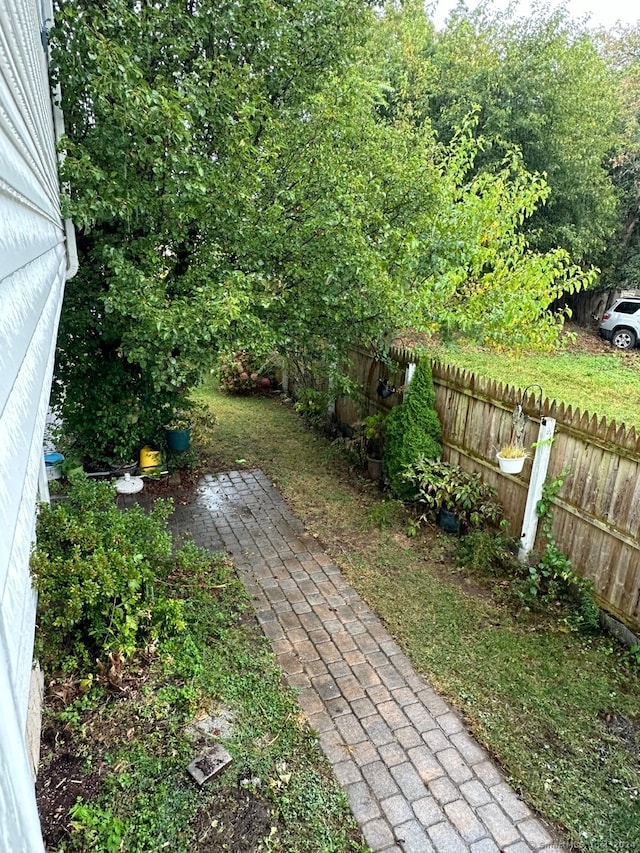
[[510, 465]]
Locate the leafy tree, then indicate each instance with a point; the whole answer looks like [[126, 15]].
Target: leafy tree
[[542, 86], [622, 264], [178, 120], [240, 182]]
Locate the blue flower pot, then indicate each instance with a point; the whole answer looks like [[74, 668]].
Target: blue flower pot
[[179, 439], [449, 521]]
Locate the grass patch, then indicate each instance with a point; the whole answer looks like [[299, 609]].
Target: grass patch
[[117, 740], [549, 705], [603, 384]]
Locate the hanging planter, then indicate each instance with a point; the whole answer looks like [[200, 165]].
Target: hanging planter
[[511, 458]]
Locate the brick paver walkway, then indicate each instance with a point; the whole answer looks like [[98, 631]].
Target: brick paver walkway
[[416, 780]]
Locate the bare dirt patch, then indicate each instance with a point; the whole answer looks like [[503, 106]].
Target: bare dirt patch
[[236, 821]]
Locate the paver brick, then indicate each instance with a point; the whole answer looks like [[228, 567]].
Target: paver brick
[[366, 674], [333, 746], [488, 773], [465, 821], [363, 707], [392, 753], [320, 722], [390, 677], [378, 693], [518, 847], [426, 764], [413, 838], [404, 696], [364, 754], [378, 731], [475, 793], [445, 839], [298, 679], [498, 824], [363, 804], [510, 802], [443, 790], [468, 748], [347, 772], [290, 663], [450, 723], [378, 835], [487, 845], [428, 811], [350, 688], [310, 701], [420, 717], [535, 834], [381, 781], [339, 669], [355, 657], [454, 765], [409, 781], [315, 667], [392, 714], [338, 707], [397, 809], [316, 635], [434, 703], [328, 652], [326, 687], [408, 737], [350, 729]]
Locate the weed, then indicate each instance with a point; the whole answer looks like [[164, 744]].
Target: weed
[[385, 513]]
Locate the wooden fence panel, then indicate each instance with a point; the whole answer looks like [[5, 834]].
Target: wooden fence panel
[[597, 512]]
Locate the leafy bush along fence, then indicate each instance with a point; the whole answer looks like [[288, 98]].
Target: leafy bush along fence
[[597, 512]]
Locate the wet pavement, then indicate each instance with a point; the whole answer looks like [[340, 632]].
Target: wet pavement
[[415, 778]]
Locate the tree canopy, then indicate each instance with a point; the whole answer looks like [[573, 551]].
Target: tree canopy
[[267, 176]]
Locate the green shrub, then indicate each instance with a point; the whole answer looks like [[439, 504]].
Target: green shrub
[[488, 554], [99, 572], [438, 485], [412, 432]]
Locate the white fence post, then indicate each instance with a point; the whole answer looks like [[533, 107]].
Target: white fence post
[[408, 374], [538, 476]]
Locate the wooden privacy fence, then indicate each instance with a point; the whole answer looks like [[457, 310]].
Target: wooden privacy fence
[[597, 512]]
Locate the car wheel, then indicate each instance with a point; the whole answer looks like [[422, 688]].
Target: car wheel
[[624, 339]]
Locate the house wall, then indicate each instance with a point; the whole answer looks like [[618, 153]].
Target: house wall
[[33, 266]]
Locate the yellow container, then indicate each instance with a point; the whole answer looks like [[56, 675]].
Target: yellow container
[[150, 459]]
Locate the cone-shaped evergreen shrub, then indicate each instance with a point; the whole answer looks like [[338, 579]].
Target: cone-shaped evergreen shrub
[[412, 430]]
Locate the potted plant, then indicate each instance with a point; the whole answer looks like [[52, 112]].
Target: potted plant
[[453, 497], [374, 428], [511, 458], [178, 432]]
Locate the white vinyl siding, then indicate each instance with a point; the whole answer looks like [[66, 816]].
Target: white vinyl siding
[[32, 274]]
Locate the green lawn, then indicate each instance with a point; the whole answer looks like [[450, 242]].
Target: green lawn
[[547, 703], [606, 383]]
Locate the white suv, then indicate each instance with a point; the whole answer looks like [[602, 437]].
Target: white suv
[[620, 324]]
